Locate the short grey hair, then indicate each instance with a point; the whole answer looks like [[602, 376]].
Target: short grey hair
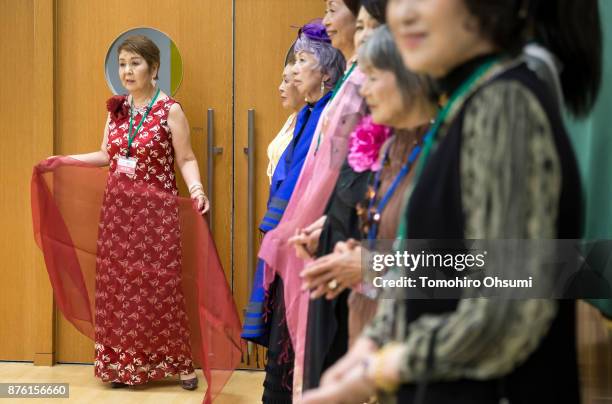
[[380, 52], [330, 60]]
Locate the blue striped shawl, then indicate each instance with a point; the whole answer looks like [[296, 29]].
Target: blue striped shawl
[[284, 180]]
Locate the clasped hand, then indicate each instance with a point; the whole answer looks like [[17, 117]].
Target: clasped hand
[[349, 380], [342, 266], [306, 240]]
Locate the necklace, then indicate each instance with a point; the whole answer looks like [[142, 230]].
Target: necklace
[[146, 101], [375, 211]]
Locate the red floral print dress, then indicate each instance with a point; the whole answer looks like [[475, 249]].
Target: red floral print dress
[[141, 326]]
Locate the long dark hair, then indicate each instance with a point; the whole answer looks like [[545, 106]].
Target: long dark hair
[[571, 29]]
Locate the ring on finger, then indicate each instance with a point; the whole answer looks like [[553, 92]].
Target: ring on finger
[[333, 284]]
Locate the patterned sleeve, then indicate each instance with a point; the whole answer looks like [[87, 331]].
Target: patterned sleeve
[[511, 185], [380, 327]]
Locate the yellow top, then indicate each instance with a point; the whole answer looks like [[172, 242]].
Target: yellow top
[[278, 145]]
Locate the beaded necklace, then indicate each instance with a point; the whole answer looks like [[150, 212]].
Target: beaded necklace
[[375, 212]]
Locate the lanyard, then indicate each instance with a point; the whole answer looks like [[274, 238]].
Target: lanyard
[[334, 92], [430, 138], [385, 199], [131, 135], [342, 80]]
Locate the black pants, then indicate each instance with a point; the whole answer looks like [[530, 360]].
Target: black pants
[[280, 356]]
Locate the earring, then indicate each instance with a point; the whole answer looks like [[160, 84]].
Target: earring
[[322, 87]]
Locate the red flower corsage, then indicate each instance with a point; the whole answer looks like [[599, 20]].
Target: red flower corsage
[[117, 107]]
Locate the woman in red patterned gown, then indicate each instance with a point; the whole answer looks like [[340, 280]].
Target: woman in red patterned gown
[[141, 325]]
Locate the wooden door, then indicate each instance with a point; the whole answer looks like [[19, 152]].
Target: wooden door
[[263, 34], [202, 31], [26, 112]]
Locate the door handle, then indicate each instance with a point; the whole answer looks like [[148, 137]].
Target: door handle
[[212, 150], [250, 151]]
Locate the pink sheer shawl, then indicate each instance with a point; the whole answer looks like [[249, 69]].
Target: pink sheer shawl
[[307, 204]]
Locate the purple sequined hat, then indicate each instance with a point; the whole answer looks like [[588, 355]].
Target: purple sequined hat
[[315, 30]]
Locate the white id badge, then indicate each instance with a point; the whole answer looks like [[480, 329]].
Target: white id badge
[[126, 165]]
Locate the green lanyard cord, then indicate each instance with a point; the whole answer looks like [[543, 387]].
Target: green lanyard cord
[[334, 92], [342, 80], [429, 142], [131, 135]]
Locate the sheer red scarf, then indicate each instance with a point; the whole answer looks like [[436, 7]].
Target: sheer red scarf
[[67, 198]]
